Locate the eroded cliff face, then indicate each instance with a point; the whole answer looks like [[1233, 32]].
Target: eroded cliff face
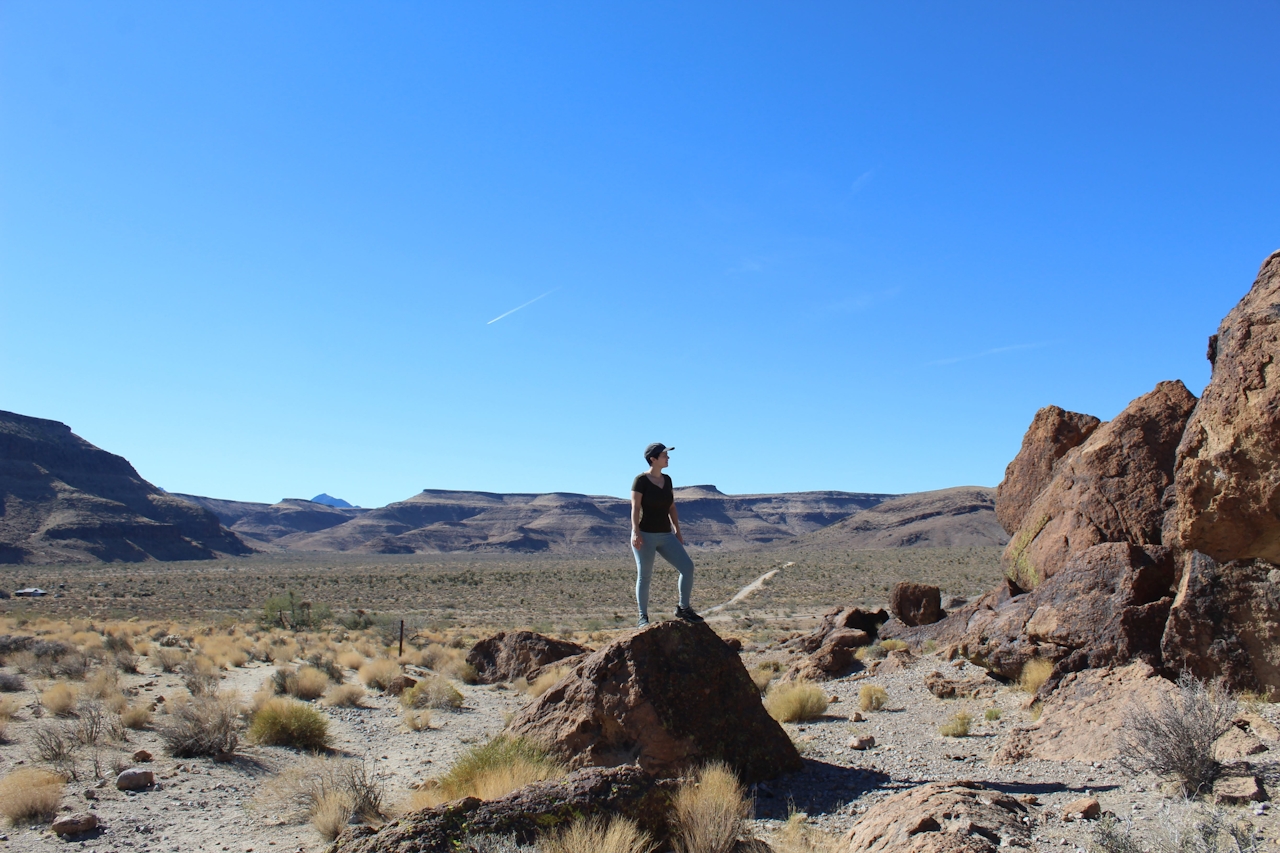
[[64, 500]]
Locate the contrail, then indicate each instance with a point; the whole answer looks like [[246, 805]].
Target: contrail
[[518, 307]]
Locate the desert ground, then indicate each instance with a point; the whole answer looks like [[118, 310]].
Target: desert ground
[[140, 640]]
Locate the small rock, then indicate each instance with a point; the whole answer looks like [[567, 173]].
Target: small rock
[[1029, 800], [861, 742], [142, 755], [1237, 790], [833, 699], [1085, 808], [857, 717], [135, 780], [90, 794], [400, 684], [733, 643], [74, 824]]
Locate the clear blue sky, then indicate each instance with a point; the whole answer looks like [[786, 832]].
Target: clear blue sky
[[255, 247]]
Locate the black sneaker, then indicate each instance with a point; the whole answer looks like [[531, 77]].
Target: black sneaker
[[643, 621], [687, 614]]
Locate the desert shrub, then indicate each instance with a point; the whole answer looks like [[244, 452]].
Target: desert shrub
[[52, 742], [417, 719], [200, 676], [30, 795], [795, 701], [489, 771], [327, 665], [125, 661], [614, 835], [344, 696], [490, 842], [797, 836], [104, 682], [709, 815], [351, 659], [992, 714], [432, 692], [1174, 738], [202, 725], [60, 699], [73, 665], [1035, 672], [135, 717], [1178, 828], [893, 645], [957, 726], [94, 724], [1035, 711], [545, 680], [379, 673], [168, 659], [288, 722], [875, 651], [327, 792], [331, 815], [307, 683], [11, 683], [872, 697]]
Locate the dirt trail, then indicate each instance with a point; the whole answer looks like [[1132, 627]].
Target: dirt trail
[[746, 590]]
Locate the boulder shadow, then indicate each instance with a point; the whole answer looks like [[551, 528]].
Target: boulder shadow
[[820, 788]]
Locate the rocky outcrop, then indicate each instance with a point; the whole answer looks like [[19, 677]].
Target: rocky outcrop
[[1108, 489], [666, 698], [834, 658], [1052, 433], [838, 619], [1081, 719], [956, 817], [64, 500], [960, 517], [916, 603], [509, 655], [526, 813], [1226, 622], [1227, 482]]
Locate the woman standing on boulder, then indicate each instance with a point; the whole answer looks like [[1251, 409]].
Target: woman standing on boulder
[[655, 529]]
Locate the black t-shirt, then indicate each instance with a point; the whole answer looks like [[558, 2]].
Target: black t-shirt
[[655, 504]]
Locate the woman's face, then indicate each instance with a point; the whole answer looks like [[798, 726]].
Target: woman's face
[[661, 460]]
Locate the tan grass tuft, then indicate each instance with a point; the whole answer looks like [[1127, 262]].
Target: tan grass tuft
[[957, 726], [546, 680], [351, 659], [893, 645], [615, 835], [307, 683], [168, 659], [332, 814], [710, 813], [60, 699], [379, 673], [289, 722], [795, 701], [872, 697], [417, 719], [797, 836], [489, 771], [29, 795], [1035, 672], [432, 692], [136, 717], [344, 696]]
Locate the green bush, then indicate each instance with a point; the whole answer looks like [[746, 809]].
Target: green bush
[[288, 722]]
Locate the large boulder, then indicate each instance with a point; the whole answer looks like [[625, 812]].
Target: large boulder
[[1227, 481], [1081, 719], [834, 658], [527, 813], [841, 618], [941, 817], [1052, 433], [916, 603], [509, 655], [1225, 622], [1109, 489], [666, 698]]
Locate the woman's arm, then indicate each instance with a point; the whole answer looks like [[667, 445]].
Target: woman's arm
[[675, 522], [637, 541]]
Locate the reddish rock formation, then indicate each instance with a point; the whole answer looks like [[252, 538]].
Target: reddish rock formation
[[959, 817], [668, 697], [1227, 481], [1052, 433], [835, 657], [837, 618], [509, 655], [1226, 622], [527, 813], [1109, 489], [916, 603]]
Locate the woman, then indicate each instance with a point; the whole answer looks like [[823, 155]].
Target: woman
[[655, 529]]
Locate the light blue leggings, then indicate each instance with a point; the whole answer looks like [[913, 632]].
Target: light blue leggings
[[673, 552]]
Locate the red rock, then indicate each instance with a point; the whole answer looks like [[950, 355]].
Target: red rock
[[861, 742], [1237, 790], [1227, 480], [509, 655], [75, 824], [959, 817], [1109, 489], [666, 698], [853, 618], [400, 684], [1085, 808], [1052, 433], [135, 780], [142, 756], [916, 603]]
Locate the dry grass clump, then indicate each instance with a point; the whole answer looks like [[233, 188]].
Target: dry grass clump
[[351, 659], [598, 835], [289, 722], [893, 645], [344, 696], [379, 673], [327, 792], [957, 726], [104, 682], [135, 717], [30, 795], [201, 676], [875, 651], [202, 725], [710, 814], [797, 836], [11, 682], [872, 697], [168, 659], [60, 699], [489, 771], [417, 719], [432, 692], [1035, 672], [1174, 738], [544, 681], [450, 662], [795, 701], [306, 683]]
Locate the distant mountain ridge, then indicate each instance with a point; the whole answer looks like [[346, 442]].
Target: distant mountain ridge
[[330, 500]]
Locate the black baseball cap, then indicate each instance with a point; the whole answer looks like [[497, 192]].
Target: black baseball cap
[[655, 450]]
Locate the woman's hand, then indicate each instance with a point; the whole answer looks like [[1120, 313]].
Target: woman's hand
[[680, 537], [637, 541]]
